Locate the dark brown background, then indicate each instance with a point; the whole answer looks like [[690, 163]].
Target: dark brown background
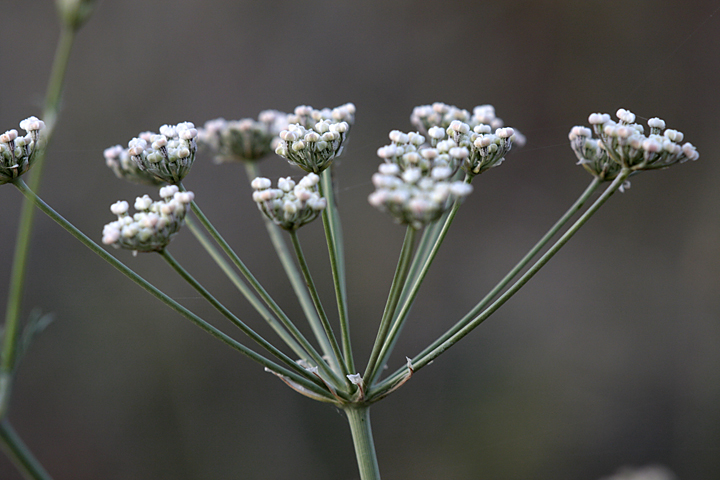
[[609, 357]]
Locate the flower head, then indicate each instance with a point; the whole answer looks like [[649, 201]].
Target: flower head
[[416, 196], [290, 205], [123, 166], [481, 134], [625, 144], [308, 116], [154, 224], [242, 140], [314, 138], [17, 153], [591, 155], [167, 156]]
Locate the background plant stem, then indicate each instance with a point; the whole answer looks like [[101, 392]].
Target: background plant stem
[[27, 216], [20, 454]]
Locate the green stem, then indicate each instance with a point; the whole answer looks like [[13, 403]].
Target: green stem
[[333, 236], [20, 454], [518, 267], [27, 215], [468, 323], [315, 297], [154, 291], [399, 280], [429, 237], [230, 316], [265, 296], [359, 420], [292, 273], [245, 290]]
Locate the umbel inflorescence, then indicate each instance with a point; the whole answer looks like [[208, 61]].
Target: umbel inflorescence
[[290, 205], [422, 180], [17, 152], [153, 225], [623, 144], [247, 139]]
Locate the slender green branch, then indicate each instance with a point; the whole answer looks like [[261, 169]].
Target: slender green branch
[[27, 215], [359, 420], [591, 188], [53, 94], [293, 275], [470, 322], [333, 235], [245, 290], [20, 454], [399, 280], [265, 296], [428, 239], [230, 316], [154, 291], [315, 297], [402, 314]]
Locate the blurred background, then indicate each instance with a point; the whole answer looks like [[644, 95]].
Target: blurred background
[[609, 357]]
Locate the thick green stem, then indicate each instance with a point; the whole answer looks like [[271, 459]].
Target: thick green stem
[[359, 420], [292, 273], [333, 235], [398, 282], [20, 455], [154, 291], [469, 322]]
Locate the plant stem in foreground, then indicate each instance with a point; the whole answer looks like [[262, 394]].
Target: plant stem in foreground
[[315, 386], [359, 420], [293, 275]]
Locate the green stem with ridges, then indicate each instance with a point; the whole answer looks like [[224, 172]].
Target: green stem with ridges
[[265, 296], [293, 275], [333, 235], [359, 420], [245, 290], [154, 291], [468, 323]]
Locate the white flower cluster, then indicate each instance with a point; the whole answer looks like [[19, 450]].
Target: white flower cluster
[[308, 116], [484, 147], [591, 155], [167, 156], [242, 140], [626, 144], [154, 224], [18, 152], [409, 150], [290, 205], [439, 114], [313, 149], [118, 160], [415, 184]]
